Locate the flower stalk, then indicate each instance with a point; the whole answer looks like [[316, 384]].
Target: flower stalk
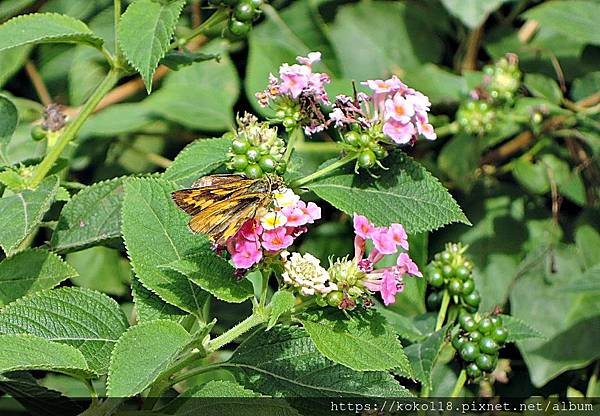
[[324, 171]]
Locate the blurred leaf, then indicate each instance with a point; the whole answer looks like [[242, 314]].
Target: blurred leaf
[[533, 176], [589, 281], [45, 28], [459, 159], [78, 9], [587, 240], [568, 181], [363, 343], [102, 269], [403, 194], [115, 120], [213, 274], [30, 271], [9, 117], [199, 158], [176, 60], [585, 86], [87, 320], [145, 34], [93, 216], [281, 302], [22, 212], [131, 372], [85, 74], [576, 19], [543, 87], [156, 233], [473, 13], [438, 84], [494, 281], [12, 61], [150, 307], [423, 355], [9, 8]]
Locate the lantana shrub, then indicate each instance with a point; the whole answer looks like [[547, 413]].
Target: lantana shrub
[[324, 286]]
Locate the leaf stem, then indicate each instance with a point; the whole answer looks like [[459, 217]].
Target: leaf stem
[[194, 372], [327, 169], [294, 136], [216, 18], [446, 129], [460, 382], [117, 22], [265, 286], [258, 317], [72, 128], [442, 313]]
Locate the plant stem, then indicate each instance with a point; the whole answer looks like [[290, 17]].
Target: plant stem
[[327, 169], [117, 21], [447, 129], [194, 372], [319, 147], [294, 136], [591, 387], [460, 382], [265, 286], [216, 18], [258, 317], [442, 313], [72, 128]]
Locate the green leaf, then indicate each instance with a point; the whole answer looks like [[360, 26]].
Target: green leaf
[[533, 176], [413, 329], [102, 269], [89, 321], [440, 85], [93, 216], [12, 61], [284, 362], [587, 239], [9, 117], [281, 302], [199, 158], [406, 193], [30, 271], [200, 97], [176, 60], [150, 307], [116, 120], [142, 353], [423, 355], [576, 19], [156, 233], [28, 352], [9, 8], [589, 281], [45, 28], [22, 212], [459, 159], [215, 275], [85, 74], [363, 343], [585, 86], [145, 34], [544, 87], [518, 330], [473, 13]]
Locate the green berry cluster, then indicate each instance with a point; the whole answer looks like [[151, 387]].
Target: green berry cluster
[[366, 144], [349, 280], [477, 342], [288, 114], [255, 149], [476, 117], [451, 271], [503, 78], [241, 15]]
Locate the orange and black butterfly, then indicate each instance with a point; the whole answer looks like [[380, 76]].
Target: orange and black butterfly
[[221, 204]]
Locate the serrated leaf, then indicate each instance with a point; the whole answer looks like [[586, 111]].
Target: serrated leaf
[[45, 28], [22, 212], [518, 330], [145, 34], [281, 302], [406, 193], [150, 307], [423, 355], [93, 216], [176, 60], [198, 159], [363, 343], [28, 352], [156, 233], [9, 117], [30, 271], [576, 19], [284, 362], [89, 321], [132, 371], [215, 275]]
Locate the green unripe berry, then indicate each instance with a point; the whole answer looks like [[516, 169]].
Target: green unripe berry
[[467, 323], [289, 122], [468, 286], [473, 371], [434, 300], [244, 11], [458, 341], [239, 162], [366, 159], [281, 168], [335, 298], [447, 271], [253, 155], [352, 138], [38, 133], [280, 114], [499, 335], [485, 326], [364, 139], [475, 336], [488, 345], [239, 28], [463, 273], [473, 299], [379, 151], [496, 320], [229, 135], [240, 147], [435, 278], [485, 362], [454, 286], [446, 256], [267, 164], [469, 351], [257, 3], [253, 171]]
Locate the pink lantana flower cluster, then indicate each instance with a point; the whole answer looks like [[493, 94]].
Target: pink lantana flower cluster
[[298, 93], [273, 230], [386, 241], [398, 111]]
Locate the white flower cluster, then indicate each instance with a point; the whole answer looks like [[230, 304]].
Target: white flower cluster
[[305, 272]]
